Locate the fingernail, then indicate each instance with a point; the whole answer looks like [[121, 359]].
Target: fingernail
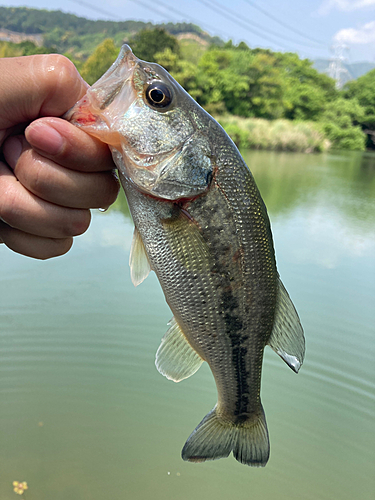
[[44, 137], [12, 150]]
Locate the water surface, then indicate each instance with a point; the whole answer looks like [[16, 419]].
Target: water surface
[[84, 414]]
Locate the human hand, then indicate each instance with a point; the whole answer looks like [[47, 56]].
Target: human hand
[[51, 173]]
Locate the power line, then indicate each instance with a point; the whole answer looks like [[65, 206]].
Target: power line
[[188, 18], [246, 23], [152, 7], [242, 19], [228, 14], [107, 13], [92, 7], [285, 25]]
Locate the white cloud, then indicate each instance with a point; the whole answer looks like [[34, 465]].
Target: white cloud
[[344, 5], [364, 34]]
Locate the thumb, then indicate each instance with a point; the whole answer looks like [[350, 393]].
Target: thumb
[[35, 86]]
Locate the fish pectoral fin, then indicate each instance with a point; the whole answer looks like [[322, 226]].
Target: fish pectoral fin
[[140, 266], [287, 338], [175, 358], [187, 243]]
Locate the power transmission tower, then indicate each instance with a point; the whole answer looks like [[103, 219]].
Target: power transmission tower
[[336, 69]]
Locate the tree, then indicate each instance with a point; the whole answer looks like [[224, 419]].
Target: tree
[[338, 123], [184, 72], [266, 87], [306, 90], [363, 89], [241, 82], [26, 48], [146, 43], [98, 63]]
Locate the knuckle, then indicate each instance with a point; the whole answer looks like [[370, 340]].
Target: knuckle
[[60, 69], [79, 223], [9, 206], [37, 182], [63, 82]]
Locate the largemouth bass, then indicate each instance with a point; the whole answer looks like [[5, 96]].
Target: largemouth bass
[[202, 226]]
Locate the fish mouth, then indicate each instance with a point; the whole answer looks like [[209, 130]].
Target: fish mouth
[[93, 113], [112, 110]]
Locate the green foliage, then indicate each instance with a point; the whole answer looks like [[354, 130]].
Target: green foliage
[[177, 28], [306, 90], [337, 124], [191, 50], [99, 61], [183, 71], [363, 89], [223, 77], [261, 83], [277, 135], [27, 48], [147, 43], [25, 20], [265, 87], [79, 36]]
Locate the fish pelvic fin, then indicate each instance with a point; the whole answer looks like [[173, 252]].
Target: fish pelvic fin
[[175, 358], [287, 338], [140, 266], [215, 438]]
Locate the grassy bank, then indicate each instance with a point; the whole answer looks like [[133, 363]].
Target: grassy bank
[[276, 135]]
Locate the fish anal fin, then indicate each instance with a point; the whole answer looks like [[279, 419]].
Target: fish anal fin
[[175, 358], [140, 266], [287, 338]]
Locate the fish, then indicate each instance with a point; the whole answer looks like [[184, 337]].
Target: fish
[[201, 225]]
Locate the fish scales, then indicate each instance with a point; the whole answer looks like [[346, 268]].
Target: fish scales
[[202, 226]]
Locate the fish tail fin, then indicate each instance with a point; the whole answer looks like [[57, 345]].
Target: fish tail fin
[[215, 438]]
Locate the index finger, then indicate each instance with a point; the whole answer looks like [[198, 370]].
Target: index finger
[[69, 146]]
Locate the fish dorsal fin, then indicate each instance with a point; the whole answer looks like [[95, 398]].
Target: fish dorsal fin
[[175, 358], [140, 266], [287, 338]]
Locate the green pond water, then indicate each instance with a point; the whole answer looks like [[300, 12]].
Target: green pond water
[[84, 414]]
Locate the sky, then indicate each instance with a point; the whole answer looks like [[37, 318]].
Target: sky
[[312, 28]]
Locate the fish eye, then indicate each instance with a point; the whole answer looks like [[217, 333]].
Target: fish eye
[[158, 95]]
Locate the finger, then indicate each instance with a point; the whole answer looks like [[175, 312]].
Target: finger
[[68, 146], [40, 85], [31, 245], [23, 210], [58, 185]]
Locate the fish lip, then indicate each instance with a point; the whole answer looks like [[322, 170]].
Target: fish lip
[[104, 91], [89, 113]]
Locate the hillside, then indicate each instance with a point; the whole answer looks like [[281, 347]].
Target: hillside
[[78, 36], [256, 87]]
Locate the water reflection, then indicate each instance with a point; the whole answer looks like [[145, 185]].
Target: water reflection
[[77, 345]]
